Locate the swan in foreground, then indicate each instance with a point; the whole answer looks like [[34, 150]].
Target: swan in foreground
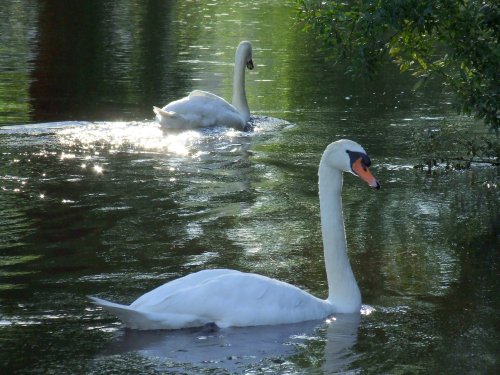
[[201, 109], [231, 298]]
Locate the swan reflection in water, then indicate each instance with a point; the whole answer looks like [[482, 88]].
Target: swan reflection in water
[[234, 349]]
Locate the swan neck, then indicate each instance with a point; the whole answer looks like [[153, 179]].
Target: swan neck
[[239, 94], [343, 291]]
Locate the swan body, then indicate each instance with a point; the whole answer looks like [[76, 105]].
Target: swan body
[[202, 109], [231, 298], [227, 298]]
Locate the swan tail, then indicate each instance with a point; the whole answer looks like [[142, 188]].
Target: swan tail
[[160, 112], [111, 306], [129, 316], [141, 320], [171, 119]]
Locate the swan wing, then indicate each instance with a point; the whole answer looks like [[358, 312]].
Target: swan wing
[[207, 95], [199, 109], [151, 298], [145, 313], [230, 298]]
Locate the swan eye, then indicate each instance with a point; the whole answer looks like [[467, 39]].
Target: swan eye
[[354, 156]]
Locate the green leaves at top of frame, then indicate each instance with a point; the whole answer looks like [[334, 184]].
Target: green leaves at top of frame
[[458, 41]]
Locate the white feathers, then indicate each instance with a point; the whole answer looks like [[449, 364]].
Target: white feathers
[[202, 109], [198, 110]]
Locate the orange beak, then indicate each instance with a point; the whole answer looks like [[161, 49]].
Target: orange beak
[[359, 168]]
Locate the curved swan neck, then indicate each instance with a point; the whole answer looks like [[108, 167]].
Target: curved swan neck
[[239, 94], [343, 291]]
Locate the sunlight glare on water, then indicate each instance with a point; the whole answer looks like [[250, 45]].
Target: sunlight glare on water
[[126, 136]]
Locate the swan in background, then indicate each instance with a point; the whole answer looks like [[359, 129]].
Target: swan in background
[[231, 298], [201, 109]]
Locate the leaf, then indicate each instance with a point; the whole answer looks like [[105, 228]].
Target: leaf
[[418, 84]]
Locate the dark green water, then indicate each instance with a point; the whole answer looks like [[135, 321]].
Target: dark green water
[[96, 200]]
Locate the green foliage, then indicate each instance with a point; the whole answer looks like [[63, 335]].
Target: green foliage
[[457, 40]]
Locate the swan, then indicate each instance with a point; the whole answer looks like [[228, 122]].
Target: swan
[[201, 108], [230, 298]]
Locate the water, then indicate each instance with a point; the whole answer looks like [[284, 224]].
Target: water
[[97, 200]]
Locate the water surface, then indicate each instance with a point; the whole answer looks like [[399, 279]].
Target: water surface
[[96, 200]]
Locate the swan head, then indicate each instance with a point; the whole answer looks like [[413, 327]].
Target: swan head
[[244, 51], [348, 156]]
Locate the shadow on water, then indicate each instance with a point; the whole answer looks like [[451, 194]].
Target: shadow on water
[[238, 349]]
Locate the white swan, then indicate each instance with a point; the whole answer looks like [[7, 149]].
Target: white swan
[[201, 109], [232, 298]]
